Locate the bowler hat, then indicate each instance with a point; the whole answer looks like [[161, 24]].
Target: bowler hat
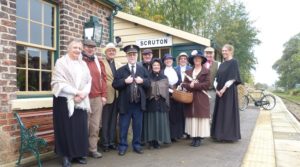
[[146, 51], [167, 56], [196, 53], [88, 42], [131, 49]]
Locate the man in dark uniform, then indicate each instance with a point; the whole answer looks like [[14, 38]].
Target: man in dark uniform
[[131, 81]]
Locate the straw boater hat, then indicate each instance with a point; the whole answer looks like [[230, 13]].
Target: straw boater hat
[[197, 53], [209, 49], [110, 46], [182, 54]]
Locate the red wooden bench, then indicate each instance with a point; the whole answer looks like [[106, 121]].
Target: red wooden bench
[[36, 128]]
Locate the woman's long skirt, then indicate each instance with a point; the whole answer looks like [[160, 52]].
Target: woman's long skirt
[[197, 127], [71, 133], [156, 127], [177, 119]]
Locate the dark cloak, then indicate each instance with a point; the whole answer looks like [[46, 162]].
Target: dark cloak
[[226, 119]]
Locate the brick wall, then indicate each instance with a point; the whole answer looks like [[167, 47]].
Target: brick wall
[[8, 125], [73, 15]]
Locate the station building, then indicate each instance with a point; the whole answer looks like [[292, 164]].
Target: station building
[[34, 33], [160, 38]]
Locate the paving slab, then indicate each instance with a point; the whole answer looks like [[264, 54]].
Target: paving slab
[[180, 154]]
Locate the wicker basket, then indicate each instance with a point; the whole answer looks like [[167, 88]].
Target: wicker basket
[[182, 96]]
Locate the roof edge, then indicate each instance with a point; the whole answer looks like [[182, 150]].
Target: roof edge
[[163, 28], [115, 5]]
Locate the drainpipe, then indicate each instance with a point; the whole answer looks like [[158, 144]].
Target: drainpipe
[[111, 24]]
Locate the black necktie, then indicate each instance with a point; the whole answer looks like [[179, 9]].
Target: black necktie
[[112, 67], [132, 71]]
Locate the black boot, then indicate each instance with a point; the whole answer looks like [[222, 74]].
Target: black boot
[[66, 162], [156, 144], [193, 141], [150, 144], [198, 142]]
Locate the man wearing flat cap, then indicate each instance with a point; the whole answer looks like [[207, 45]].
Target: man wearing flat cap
[[110, 112], [97, 94], [147, 58], [213, 66], [132, 81]]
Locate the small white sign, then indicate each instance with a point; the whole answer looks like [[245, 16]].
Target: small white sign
[[154, 42]]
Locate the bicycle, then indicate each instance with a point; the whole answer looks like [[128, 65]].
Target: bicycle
[[266, 101]]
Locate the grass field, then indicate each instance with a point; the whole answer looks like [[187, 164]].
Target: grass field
[[289, 97]]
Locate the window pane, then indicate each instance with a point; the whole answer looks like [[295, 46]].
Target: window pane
[[21, 56], [48, 15], [22, 8], [46, 79], [33, 80], [164, 51], [155, 53], [21, 75], [36, 10], [34, 58], [35, 33], [48, 36], [22, 29], [46, 59]]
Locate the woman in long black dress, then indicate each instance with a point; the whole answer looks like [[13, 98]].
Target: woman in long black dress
[[226, 118], [71, 84], [176, 115], [156, 118]]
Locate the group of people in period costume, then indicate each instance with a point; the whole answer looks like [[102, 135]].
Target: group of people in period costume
[[93, 93]]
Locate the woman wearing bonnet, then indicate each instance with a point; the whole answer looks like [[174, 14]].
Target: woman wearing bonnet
[[71, 84]]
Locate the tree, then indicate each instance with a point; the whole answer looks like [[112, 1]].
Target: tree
[[288, 66], [222, 21], [230, 23]]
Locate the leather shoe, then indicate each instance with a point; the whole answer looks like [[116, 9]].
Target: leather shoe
[[156, 145], [95, 154], [139, 151], [105, 148], [112, 147], [193, 142], [173, 140], [122, 152], [66, 162], [80, 160], [197, 142], [150, 145]]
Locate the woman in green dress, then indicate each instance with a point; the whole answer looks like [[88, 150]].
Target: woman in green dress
[[156, 118]]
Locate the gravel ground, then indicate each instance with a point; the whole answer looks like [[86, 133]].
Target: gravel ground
[[293, 108]]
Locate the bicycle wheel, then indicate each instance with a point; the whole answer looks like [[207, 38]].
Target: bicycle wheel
[[268, 102], [244, 101]]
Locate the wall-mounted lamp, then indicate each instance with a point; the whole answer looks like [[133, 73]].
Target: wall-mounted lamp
[[93, 30]]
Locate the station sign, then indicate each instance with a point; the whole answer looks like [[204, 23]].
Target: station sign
[[154, 42]]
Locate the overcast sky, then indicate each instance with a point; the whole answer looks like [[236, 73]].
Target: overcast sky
[[277, 21]]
